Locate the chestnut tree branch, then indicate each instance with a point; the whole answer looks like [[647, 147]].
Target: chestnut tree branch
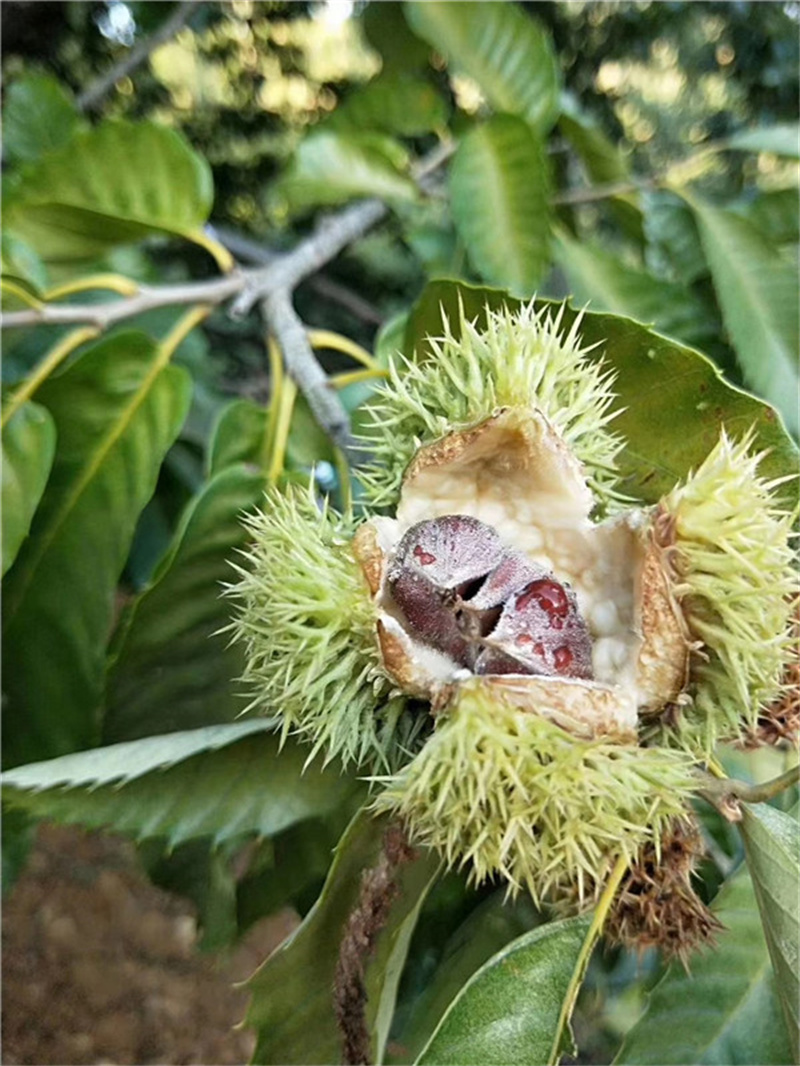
[[247, 250], [302, 367]]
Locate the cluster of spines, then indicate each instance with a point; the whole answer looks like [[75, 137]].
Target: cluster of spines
[[737, 584], [306, 619], [656, 905], [503, 792], [523, 358]]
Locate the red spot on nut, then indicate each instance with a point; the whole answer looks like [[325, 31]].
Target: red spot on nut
[[562, 658], [423, 558], [550, 596]]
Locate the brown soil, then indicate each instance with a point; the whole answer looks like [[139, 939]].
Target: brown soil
[[99, 966]]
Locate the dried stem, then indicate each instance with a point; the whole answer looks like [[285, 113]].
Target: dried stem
[[378, 890]]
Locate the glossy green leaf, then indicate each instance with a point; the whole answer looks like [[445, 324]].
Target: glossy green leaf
[[776, 214], [395, 103], [20, 263], [171, 667], [673, 244], [673, 399], [488, 929], [758, 294], [38, 116], [509, 1011], [388, 32], [29, 442], [113, 184], [726, 1010], [780, 139], [237, 436], [503, 48], [117, 409], [292, 1010], [499, 185], [219, 782], [331, 168], [604, 282], [604, 163], [772, 847]]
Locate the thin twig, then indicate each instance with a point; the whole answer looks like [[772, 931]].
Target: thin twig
[[250, 251], [96, 92], [330, 236], [603, 192], [727, 793], [302, 367], [147, 298]]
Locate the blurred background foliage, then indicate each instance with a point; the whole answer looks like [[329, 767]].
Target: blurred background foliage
[[641, 157]]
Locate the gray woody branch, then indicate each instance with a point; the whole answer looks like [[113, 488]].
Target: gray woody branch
[[271, 285]]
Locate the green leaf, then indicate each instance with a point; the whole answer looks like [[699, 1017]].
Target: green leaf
[[39, 115], [781, 139], [21, 263], [601, 279], [499, 185], [113, 184], [726, 1010], [292, 1010], [388, 32], [220, 782], [117, 409], [504, 49], [237, 436], [772, 847], [330, 168], [29, 442], [171, 667], [395, 103], [604, 163], [490, 926], [509, 1011], [673, 399], [758, 294], [776, 214], [673, 243]]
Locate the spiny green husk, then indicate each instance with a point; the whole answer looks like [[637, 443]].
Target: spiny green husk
[[505, 792], [522, 359], [308, 626], [737, 583]]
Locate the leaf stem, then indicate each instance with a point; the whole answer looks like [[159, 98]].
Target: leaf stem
[[182, 328], [283, 423], [275, 390], [721, 793], [355, 377], [112, 282], [44, 369], [325, 338], [21, 293], [592, 936]]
